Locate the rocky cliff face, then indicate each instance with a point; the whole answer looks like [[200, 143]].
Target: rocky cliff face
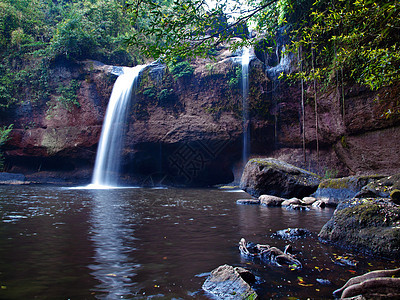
[[188, 129]]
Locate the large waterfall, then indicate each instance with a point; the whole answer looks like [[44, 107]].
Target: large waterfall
[[109, 152], [245, 90]]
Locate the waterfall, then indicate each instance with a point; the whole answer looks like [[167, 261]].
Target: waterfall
[[245, 103], [109, 152]]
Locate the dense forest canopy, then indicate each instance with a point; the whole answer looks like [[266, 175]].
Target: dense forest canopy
[[360, 37]]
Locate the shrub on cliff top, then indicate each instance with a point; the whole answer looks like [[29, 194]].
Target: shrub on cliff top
[[180, 69]]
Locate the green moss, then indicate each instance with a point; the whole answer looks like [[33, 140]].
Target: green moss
[[68, 95], [339, 183], [343, 141], [269, 163], [369, 213]]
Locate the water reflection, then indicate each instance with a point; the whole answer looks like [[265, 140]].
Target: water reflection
[[112, 236]]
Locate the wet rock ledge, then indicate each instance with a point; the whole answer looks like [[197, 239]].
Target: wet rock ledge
[[369, 222]]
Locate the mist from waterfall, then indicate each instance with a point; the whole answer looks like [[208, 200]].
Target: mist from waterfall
[[245, 104], [108, 159]]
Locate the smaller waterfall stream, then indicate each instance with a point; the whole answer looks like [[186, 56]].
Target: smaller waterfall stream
[[245, 91], [108, 158]]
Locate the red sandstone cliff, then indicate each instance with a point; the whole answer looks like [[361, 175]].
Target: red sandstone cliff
[[189, 130]]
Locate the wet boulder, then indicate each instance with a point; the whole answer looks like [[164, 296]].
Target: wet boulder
[[380, 188], [308, 200], [332, 191], [278, 178], [369, 225], [291, 201], [268, 200], [227, 282]]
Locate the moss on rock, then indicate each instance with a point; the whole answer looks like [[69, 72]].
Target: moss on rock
[[333, 191], [370, 225], [380, 188]]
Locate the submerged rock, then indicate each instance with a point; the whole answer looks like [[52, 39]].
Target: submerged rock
[[333, 191], [248, 201], [227, 282], [292, 233], [369, 225], [278, 178]]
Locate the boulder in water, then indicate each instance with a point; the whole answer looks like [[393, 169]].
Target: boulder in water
[[268, 200], [278, 178], [291, 201], [369, 225], [227, 282]]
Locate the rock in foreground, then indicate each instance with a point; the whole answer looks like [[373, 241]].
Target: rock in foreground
[[226, 282], [274, 177], [370, 225], [380, 284]]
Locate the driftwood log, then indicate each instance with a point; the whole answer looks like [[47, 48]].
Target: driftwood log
[[268, 253], [380, 283]]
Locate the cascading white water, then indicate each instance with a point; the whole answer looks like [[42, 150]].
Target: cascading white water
[[108, 158], [245, 91]]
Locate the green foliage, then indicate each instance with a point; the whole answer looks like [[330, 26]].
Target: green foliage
[[252, 296], [34, 34], [4, 134], [330, 173], [4, 137], [187, 28], [150, 92], [166, 97], [72, 39], [180, 69], [234, 77], [69, 98], [155, 91], [360, 37]]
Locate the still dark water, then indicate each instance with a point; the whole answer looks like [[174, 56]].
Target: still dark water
[[61, 243]]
